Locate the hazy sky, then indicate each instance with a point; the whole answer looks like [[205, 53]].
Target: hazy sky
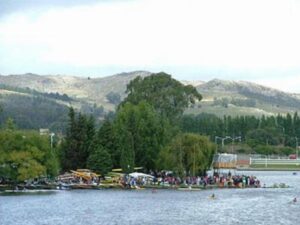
[[254, 40]]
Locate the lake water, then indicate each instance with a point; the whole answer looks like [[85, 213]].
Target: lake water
[[91, 207]]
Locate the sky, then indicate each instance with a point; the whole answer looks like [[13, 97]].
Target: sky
[[252, 40]]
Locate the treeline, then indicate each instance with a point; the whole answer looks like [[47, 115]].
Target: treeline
[[30, 112], [56, 96], [148, 130], [256, 132], [35, 112], [113, 97], [143, 132], [277, 99], [224, 102], [93, 109]]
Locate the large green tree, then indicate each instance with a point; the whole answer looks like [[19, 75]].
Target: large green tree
[[145, 120], [262, 137], [168, 96], [106, 137], [76, 145], [99, 160], [140, 135], [26, 155], [187, 154]]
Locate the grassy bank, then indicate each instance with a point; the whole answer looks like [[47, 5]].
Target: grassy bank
[[270, 167]]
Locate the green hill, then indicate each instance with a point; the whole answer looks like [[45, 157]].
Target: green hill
[[36, 101], [222, 97]]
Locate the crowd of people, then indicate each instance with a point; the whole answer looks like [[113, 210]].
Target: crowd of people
[[165, 178]]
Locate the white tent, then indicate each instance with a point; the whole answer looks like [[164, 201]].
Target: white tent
[[136, 175], [224, 161]]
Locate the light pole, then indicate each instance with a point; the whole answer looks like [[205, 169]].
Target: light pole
[[194, 162], [283, 132], [222, 139], [296, 147], [51, 139], [233, 139], [216, 139]]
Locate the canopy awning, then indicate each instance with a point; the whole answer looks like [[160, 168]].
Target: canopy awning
[[120, 169], [224, 161], [136, 175]]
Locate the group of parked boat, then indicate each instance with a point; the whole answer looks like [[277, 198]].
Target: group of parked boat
[[86, 179]]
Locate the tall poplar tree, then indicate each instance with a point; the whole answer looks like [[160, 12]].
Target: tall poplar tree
[[76, 144], [106, 137], [140, 135]]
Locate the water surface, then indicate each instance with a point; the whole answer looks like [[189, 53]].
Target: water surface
[[91, 207]]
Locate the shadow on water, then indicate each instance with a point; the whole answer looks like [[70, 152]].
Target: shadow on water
[[22, 193]]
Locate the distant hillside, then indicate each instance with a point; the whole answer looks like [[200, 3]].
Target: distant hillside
[[31, 109], [98, 96], [90, 90], [32, 112], [241, 97], [251, 91]]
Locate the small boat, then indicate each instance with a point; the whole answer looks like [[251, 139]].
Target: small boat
[[294, 173], [62, 186], [212, 197], [189, 189]]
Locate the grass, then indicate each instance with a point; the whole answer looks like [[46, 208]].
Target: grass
[[276, 166]]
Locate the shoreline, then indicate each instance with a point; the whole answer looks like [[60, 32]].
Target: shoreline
[[24, 189], [267, 169]]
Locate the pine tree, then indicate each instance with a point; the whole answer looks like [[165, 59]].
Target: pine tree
[[99, 161], [127, 152], [106, 137], [75, 147]]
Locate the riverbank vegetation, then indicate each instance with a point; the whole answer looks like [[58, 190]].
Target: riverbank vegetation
[[148, 130], [141, 134], [266, 135], [26, 155]]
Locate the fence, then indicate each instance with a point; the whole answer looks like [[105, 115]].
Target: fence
[[267, 161]]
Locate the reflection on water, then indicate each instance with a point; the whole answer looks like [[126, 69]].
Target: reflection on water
[[231, 206], [28, 192]]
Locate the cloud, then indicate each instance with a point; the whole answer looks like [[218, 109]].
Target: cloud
[[286, 83], [12, 6], [227, 36]]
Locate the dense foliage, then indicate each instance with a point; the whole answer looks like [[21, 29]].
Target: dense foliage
[[76, 145], [26, 155], [139, 133], [113, 97], [34, 110], [256, 132], [168, 96], [30, 112], [56, 96], [148, 130], [234, 101], [99, 160], [144, 124], [187, 154]]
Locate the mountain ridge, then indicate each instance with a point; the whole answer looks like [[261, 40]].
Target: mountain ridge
[[219, 96]]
